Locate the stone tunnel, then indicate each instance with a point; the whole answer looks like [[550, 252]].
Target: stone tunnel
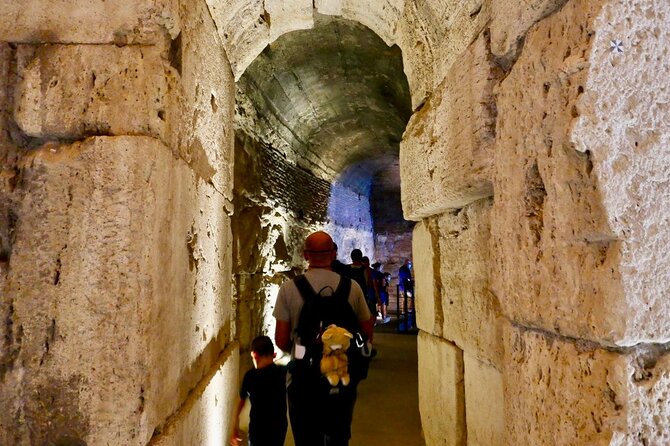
[[162, 161]]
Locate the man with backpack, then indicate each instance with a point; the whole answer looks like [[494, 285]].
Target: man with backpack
[[320, 414]]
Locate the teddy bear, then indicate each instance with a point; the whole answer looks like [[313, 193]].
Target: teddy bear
[[334, 363]]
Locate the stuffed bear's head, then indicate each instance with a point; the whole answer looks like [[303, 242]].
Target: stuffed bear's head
[[335, 338]]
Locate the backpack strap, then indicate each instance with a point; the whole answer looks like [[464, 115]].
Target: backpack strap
[[304, 287], [343, 288]]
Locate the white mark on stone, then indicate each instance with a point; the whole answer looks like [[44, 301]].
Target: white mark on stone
[[616, 46]]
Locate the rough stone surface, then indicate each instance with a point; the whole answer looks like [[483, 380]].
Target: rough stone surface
[[484, 403], [87, 21], [427, 278], [244, 28], [115, 91], [184, 97], [470, 313], [111, 233], [201, 120], [287, 16], [451, 261], [583, 394], [206, 416], [624, 124], [447, 150], [432, 35], [554, 259], [9, 154], [511, 19], [441, 391]]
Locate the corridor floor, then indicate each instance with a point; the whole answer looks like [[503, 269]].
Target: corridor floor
[[387, 410]]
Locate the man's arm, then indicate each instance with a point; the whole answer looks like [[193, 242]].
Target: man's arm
[[367, 327], [283, 335]]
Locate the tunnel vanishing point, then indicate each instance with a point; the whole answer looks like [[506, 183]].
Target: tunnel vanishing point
[[162, 161]]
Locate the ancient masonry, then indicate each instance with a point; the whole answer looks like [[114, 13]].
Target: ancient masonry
[[535, 164]]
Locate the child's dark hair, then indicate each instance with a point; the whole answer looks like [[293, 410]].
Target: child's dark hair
[[262, 346]]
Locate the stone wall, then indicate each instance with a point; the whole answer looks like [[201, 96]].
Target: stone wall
[[547, 294], [115, 229]]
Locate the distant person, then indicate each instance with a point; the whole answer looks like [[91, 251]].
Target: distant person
[[382, 281], [356, 270], [372, 292], [405, 277], [265, 387], [337, 266]]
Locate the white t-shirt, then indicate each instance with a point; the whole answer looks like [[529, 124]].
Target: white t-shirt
[[289, 301]]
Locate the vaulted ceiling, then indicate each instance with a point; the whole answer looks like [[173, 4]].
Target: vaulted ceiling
[[336, 96]]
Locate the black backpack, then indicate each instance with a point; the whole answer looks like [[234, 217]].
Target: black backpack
[[318, 312]]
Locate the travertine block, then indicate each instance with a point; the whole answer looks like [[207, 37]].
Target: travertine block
[[287, 16], [624, 124], [428, 286], [113, 91], [511, 19], [87, 21], [132, 90], [206, 416], [381, 16], [432, 35], [441, 391], [576, 247], [471, 315], [201, 121], [582, 394], [484, 407], [447, 150], [120, 288], [244, 30]]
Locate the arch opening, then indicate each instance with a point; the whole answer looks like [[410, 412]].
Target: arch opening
[[319, 118]]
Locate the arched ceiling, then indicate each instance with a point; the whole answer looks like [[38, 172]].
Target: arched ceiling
[[335, 95]]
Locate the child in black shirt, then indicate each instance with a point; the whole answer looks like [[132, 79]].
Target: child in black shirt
[[265, 386]]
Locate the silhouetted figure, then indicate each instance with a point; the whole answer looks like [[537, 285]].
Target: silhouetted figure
[[382, 281], [372, 293], [265, 386], [405, 279]]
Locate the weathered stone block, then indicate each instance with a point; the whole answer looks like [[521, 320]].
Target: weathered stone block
[[113, 91], [432, 36], [511, 19], [120, 289], [447, 150], [484, 407], [87, 21], [562, 391], [381, 16], [206, 416], [244, 29], [626, 132], [575, 247], [471, 315], [133, 90], [451, 258], [441, 391], [201, 121], [428, 286], [287, 16]]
